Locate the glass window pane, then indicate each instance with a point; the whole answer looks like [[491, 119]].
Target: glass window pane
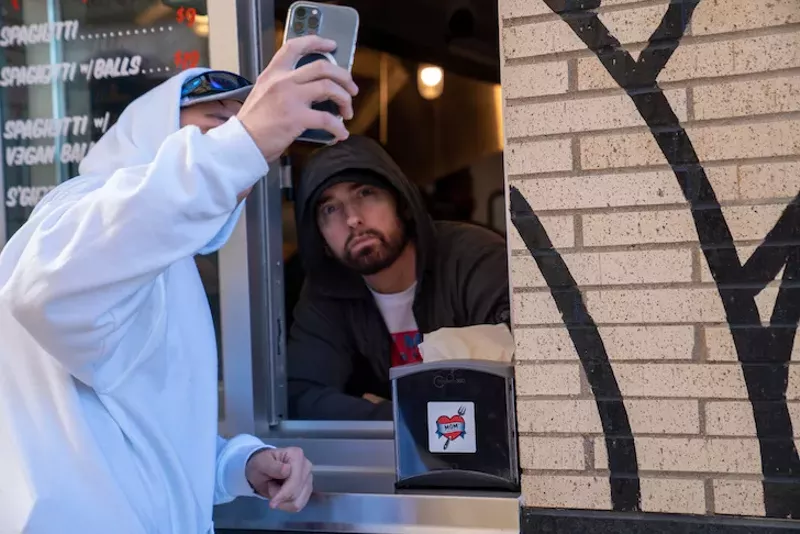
[[67, 70], [451, 148]]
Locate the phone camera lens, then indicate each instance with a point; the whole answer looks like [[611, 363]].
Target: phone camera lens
[[300, 12], [313, 21], [298, 27]]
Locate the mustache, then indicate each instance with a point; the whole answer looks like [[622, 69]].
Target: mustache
[[366, 233]]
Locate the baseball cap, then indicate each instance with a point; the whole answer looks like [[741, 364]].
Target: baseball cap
[[214, 85]]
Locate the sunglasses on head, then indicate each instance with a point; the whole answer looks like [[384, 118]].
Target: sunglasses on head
[[212, 83]]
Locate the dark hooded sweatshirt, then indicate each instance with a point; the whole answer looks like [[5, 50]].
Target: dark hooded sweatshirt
[[339, 346]]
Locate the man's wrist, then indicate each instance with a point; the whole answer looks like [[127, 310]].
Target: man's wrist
[[247, 463], [232, 465]]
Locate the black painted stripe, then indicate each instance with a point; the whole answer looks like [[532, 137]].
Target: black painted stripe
[[622, 462]]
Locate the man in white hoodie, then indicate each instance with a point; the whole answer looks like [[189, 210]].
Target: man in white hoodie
[[108, 364]]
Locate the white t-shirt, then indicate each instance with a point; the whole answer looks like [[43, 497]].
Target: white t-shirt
[[397, 310]]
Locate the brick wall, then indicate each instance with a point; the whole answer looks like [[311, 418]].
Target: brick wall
[[598, 173]]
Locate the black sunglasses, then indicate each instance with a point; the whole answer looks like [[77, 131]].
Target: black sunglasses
[[211, 83]]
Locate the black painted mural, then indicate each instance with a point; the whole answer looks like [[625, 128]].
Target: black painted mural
[[763, 351]]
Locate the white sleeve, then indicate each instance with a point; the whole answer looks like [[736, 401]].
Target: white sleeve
[[232, 456], [90, 260]]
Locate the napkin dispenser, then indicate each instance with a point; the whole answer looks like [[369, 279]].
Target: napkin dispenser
[[455, 425]]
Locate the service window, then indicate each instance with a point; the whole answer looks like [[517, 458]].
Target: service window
[[443, 128]]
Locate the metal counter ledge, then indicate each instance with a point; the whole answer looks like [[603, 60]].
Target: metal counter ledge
[[354, 493]]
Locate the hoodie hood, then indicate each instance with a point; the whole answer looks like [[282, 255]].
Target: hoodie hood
[[139, 133], [324, 273]]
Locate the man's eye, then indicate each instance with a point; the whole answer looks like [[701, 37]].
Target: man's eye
[[366, 191], [329, 209]]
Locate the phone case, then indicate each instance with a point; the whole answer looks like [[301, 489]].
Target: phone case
[[338, 23]]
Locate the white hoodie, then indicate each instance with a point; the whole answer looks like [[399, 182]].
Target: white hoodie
[[108, 365]]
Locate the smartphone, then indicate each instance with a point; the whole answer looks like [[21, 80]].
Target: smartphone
[[338, 23]]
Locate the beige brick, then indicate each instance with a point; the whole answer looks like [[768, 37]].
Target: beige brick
[[739, 497], [712, 143], [521, 81], [730, 419], [769, 180], [649, 342], [629, 228], [543, 344], [719, 341], [585, 269], [535, 308], [634, 25], [582, 115], [581, 417], [620, 189], [705, 60], [690, 455], [720, 347], [720, 16], [733, 418], [539, 156], [558, 417], [560, 229], [620, 150], [664, 416], [758, 140], [654, 306], [765, 303], [752, 222], [621, 342], [539, 39], [673, 495], [675, 226], [552, 453], [510, 9], [556, 379], [793, 391], [626, 306], [763, 54], [592, 74], [582, 492], [744, 253], [612, 268], [752, 97], [694, 380], [725, 182], [528, 40]]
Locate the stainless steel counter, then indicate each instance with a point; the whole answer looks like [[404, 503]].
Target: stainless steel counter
[[354, 483], [379, 514]]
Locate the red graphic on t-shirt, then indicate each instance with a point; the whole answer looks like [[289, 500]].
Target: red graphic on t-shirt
[[405, 348]]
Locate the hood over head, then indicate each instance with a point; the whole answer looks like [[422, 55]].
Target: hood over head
[[324, 169], [137, 136]]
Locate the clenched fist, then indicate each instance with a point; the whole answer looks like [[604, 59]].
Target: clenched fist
[[278, 108], [281, 475]]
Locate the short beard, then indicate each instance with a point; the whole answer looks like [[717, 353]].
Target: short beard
[[374, 259]]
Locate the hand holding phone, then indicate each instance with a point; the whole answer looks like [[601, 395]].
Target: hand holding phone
[[278, 111], [338, 23]]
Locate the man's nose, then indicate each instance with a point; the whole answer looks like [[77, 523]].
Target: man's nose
[[353, 217]]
